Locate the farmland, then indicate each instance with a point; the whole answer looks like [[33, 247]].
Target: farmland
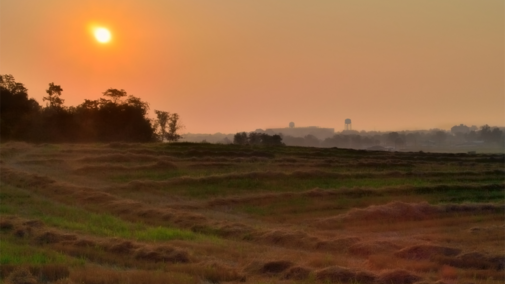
[[205, 213]]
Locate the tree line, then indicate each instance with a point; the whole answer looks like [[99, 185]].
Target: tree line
[[486, 135], [116, 116], [257, 139]]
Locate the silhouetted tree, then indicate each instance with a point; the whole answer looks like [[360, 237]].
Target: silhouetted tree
[[460, 129], [271, 140], [255, 138], [240, 138], [16, 110], [162, 120], [115, 94], [173, 127], [490, 135], [116, 117], [54, 93]]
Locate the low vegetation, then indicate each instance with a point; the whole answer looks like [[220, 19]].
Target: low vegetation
[[206, 213]]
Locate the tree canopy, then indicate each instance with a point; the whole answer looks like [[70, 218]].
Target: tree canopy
[[115, 117]]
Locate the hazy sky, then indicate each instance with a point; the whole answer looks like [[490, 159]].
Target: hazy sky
[[228, 66]]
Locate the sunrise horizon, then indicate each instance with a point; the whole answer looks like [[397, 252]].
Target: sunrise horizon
[[390, 66]]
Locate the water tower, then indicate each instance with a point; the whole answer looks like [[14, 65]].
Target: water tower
[[348, 125], [291, 125]]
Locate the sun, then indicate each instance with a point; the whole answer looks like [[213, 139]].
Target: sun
[[102, 35]]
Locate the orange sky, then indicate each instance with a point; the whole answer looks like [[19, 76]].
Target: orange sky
[[228, 66]]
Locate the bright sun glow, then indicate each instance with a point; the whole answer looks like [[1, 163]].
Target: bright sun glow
[[102, 35]]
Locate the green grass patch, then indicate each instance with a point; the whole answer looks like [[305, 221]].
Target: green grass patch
[[22, 203], [234, 186], [14, 253]]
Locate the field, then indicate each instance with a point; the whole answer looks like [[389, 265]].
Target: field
[[205, 213]]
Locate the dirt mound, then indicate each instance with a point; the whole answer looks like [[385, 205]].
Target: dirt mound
[[426, 252], [341, 274], [297, 273], [373, 247], [397, 277]]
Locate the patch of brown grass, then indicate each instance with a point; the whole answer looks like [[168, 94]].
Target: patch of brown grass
[[341, 274], [46, 161], [401, 211], [21, 276], [448, 273], [426, 252], [297, 273], [379, 262], [268, 267], [118, 158], [363, 249], [99, 275], [107, 168], [287, 238], [212, 272], [397, 277], [210, 165], [50, 272], [337, 245], [474, 260]]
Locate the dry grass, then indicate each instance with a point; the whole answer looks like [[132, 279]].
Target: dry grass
[[99, 275], [283, 215], [107, 168]]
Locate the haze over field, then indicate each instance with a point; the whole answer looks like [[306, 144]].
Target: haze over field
[[230, 66]]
